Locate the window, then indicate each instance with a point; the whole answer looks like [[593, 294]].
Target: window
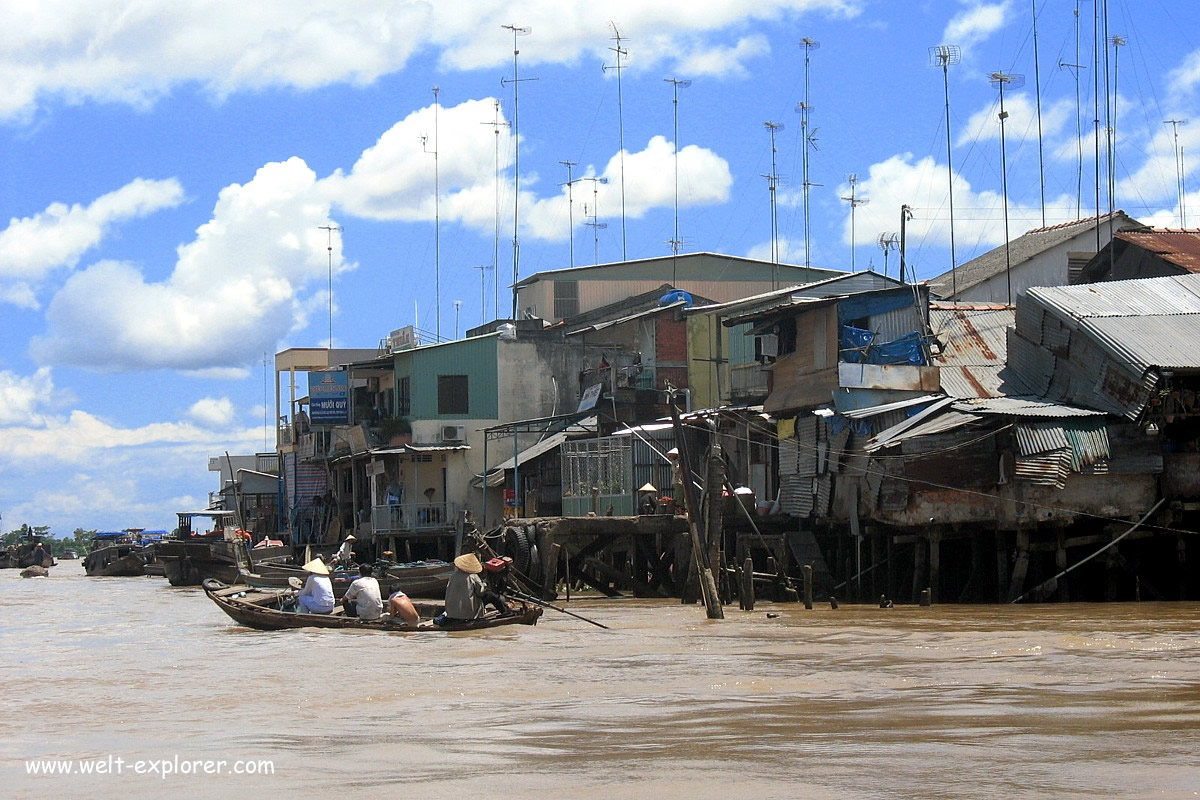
[[403, 398], [566, 299], [452, 394]]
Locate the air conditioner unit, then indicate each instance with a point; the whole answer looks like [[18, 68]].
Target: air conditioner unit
[[454, 433]]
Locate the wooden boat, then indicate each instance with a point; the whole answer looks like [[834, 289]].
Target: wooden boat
[[262, 609], [114, 553], [189, 557], [427, 579], [24, 554]]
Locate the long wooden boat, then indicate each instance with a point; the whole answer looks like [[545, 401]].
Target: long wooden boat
[[114, 555], [189, 557], [427, 579], [262, 609]]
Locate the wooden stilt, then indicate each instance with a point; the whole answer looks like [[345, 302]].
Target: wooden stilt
[[935, 566], [748, 585], [808, 586], [1017, 582]]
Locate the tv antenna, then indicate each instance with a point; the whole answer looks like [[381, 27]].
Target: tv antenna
[[496, 126], [676, 85], [1000, 80], [809, 138], [887, 242], [516, 127], [619, 68], [943, 56], [855, 201], [483, 268], [1037, 94], [772, 182], [457, 308], [329, 229], [1078, 119], [437, 219], [570, 209], [1175, 123], [595, 223]]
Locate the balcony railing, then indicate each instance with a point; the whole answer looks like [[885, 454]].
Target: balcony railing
[[409, 517]]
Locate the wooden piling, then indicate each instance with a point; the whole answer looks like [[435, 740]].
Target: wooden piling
[[748, 585], [926, 599], [808, 586]]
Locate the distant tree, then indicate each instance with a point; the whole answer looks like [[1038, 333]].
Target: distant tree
[[81, 540]]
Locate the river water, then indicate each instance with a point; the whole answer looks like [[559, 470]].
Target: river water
[[860, 702]]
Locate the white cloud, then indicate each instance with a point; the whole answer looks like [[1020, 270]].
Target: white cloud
[[1185, 77], [976, 23], [24, 400], [233, 293], [789, 252], [724, 60], [32, 247], [110, 51], [212, 412], [1022, 122]]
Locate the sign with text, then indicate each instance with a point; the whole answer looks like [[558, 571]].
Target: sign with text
[[329, 398]]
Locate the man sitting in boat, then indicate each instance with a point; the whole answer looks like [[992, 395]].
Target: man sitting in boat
[[317, 595], [466, 593], [363, 599], [402, 609], [345, 554]]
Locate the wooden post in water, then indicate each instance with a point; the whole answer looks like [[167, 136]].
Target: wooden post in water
[[808, 587], [935, 564], [748, 584], [708, 586], [714, 490], [926, 599]]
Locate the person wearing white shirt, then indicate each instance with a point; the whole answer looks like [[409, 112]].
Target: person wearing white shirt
[[363, 599], [317, 595], [345, 555]]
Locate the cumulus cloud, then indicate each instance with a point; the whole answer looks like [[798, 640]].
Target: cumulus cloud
[[233, 292], [25, 399], [212, 412], [1022, 122], [975, 23], [32, 247], [110, 51]]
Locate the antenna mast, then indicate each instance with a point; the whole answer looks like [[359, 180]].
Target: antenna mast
[[620, 51], [676, 85], [809, 140], [595, 223], [570, 209], [329, 229], [887, 243], [905, 216], [437, 220], [772, 182], [516, 123], [1175, 123], [483, 268], [1000, 80], [1037, 93], [854, 202], [496, 126], [943, 56], [1078, 125]]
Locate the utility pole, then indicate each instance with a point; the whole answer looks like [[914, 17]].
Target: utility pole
[[905, 216]]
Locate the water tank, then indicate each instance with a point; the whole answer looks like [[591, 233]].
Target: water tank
[[675, 296], [507, 331]]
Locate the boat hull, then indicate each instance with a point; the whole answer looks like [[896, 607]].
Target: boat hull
[[115, 561], [189, 562], [260, 609]]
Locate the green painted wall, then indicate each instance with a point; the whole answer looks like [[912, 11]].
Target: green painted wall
[[475, 358]]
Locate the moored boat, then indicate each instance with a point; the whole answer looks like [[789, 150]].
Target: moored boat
[[263, 609], [190, 556], [114, 553]]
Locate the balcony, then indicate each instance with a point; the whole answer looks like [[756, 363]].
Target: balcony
[[412, 517]]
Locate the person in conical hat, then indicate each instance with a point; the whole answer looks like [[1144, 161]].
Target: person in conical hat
[[317, 595], [649, 503], [464, 592], [345, 554]]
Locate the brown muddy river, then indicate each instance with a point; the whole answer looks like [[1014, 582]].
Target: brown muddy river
[[168, 696]]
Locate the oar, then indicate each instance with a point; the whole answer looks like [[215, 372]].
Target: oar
[[536, 601]]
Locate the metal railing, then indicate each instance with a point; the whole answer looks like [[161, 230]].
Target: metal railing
[[408, 517]]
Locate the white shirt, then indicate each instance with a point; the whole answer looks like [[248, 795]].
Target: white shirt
[[365, 592], [319, 590], [344, 554]]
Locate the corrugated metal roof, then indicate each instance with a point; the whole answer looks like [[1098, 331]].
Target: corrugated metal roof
[[946, 421], [974, 347], [855, 413], [1023, 407], [1141, 297], [1046, 469], [1179, 247], [1089, 443], [1040, 437]]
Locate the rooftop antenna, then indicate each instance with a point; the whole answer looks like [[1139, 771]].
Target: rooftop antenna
[[676, 85], [809, 138], [905, 216], [570, 209], [772, 182], [1096, 105], [943, 56], [595, 224], [437, 220], [855, 201], [887, 242], [1000, 80], [1078, 120], [1117, 42], [483, 268], [516, 127], [457, 308], [1175, 123], [1037, 94], [496, 126], [620, 51], [329, 229]]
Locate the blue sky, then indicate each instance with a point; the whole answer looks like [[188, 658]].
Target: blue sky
[[166, 169]]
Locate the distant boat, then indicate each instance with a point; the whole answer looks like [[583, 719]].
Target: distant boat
[[115, 553], [68, 555], [263, 609]]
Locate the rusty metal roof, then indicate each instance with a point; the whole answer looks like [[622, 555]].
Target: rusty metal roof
[[974, 347], [1179, 247]]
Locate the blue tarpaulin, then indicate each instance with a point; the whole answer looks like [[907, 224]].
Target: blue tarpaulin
[[859, 347]]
